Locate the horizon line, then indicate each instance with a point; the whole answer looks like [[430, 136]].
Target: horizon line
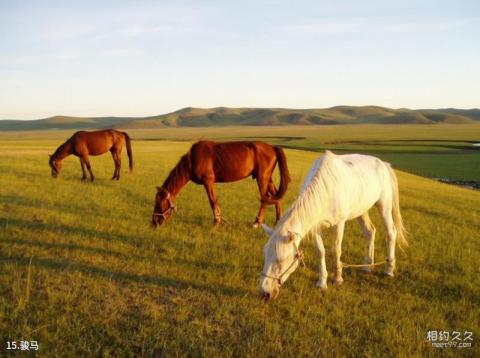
[[242, 107]]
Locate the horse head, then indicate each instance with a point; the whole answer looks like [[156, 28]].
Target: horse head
[[282, 258], [164, 207], [55, 165]]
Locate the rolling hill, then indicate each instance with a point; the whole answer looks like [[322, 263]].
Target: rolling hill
[[224, 116]]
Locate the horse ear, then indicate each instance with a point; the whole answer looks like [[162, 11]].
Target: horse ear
[[268, 230]]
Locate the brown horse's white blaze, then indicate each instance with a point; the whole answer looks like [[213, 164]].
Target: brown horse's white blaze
[[208, 163], [338, 188], [83, 144]]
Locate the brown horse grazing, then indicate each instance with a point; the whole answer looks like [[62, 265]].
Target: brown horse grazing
[[82, 144], [210, 162]]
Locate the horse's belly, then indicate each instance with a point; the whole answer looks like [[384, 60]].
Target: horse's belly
[[229, 168], [364, 202], [227, 176], [97, 151], [97, 144]]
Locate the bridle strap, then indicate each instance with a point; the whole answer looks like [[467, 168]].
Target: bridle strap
[[279, 278], [171, 207], [297, 257]]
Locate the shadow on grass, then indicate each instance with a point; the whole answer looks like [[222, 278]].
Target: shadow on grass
[[431, 290], [169, 282], [63, 231], [160, 254], [73, 247], [19, 201]]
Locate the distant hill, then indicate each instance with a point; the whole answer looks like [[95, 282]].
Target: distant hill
[[224, 116], [62, 122]]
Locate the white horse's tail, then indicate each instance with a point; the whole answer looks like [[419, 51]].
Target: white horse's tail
[[397, 216]]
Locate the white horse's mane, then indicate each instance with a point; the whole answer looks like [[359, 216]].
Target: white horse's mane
[[306, 208]]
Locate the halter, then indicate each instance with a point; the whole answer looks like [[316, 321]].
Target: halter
[[298, 256], [171, 207]]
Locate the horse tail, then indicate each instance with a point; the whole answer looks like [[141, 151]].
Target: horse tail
[[284, 177], [397, 216], [129, 151]]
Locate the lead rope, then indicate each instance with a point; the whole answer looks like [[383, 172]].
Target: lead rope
[[299, 257], [351, 265], [366, 265]]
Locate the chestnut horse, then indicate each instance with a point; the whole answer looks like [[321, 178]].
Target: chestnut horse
[[209, 162], [82, 144]]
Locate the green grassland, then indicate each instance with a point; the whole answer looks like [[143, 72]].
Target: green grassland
[[83, 273], [438, 151]]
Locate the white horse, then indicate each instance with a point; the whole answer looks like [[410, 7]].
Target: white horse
[[337, 188]]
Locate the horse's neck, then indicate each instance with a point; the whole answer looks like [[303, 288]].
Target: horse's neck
[[308, 211], [63, 151], [178, 177], [293, 225]]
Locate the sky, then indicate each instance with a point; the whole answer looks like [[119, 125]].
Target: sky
[[140, 58]]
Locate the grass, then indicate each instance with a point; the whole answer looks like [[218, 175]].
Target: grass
[[438, 151], [82, 272]]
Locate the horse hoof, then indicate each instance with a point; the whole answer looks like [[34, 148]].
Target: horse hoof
[[322, 285], [367, 269], [389, 273], [255, 225], [338, 281]]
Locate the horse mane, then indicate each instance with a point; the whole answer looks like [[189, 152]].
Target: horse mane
[[60, 148], [179, 175], [313, 195], [60, 151]]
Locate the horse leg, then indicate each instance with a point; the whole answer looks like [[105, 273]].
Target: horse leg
[[217, 218], [114, 176], [82, 164], [386, 211], [337, 253], [322, 267], [262, 188], [369, 232], [117, 162], [272, 191], [119, 165], [87, 162]]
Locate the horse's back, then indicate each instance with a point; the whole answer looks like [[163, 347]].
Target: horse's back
[[226, 161], [96, 142], [357, 181]]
